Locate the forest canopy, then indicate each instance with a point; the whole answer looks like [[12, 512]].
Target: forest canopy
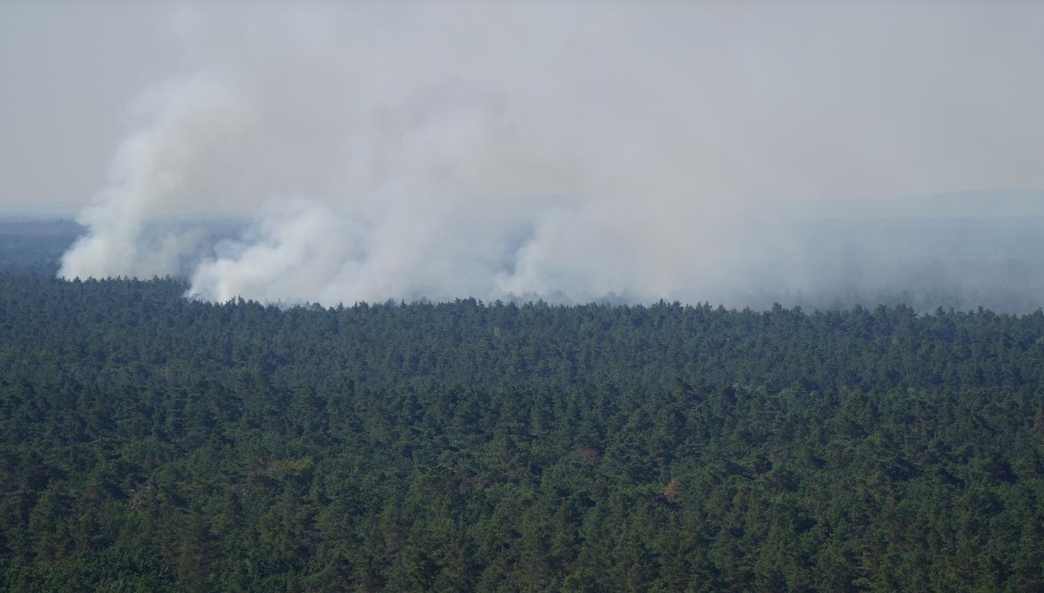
[[154, 443], [518, 297]]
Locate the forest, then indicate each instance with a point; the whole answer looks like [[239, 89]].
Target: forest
[[521, 297], [150, 442]]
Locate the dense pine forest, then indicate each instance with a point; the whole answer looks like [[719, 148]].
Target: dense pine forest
[[153, 443]]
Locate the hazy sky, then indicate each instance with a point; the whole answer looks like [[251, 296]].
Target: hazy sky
[[768, 100], [438, 149]]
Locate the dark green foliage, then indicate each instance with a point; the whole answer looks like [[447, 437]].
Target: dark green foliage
[[151, 443], [35, 247]]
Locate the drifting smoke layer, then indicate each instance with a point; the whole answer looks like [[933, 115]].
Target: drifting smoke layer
[[452, 151]]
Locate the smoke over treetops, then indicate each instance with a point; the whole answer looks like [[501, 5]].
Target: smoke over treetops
[[446, 151]]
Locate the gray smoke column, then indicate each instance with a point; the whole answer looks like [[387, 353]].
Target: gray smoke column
[[576, 150]]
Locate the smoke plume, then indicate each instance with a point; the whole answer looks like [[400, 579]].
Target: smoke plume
[[571, 152]]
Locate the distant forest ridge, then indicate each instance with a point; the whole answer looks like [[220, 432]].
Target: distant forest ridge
[[959, 250]]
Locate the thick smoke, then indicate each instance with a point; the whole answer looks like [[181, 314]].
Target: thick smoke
[[189, 124], [560, 152]]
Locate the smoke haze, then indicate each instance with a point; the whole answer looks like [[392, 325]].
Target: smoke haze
[[568, 151]]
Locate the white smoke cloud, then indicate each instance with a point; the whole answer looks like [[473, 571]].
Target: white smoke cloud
[[189, 123], [454, 150]]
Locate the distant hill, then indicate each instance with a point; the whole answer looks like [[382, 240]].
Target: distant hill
[[28, 226]]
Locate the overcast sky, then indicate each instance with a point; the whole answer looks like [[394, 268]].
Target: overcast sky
[[741, 100]]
